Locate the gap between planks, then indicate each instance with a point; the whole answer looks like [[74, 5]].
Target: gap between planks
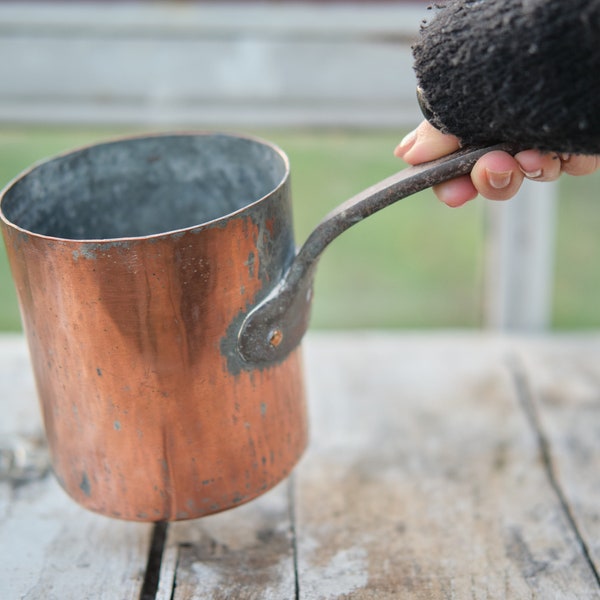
[[155, 556], [160, 579], [293, 534], [157, 585], [526, 400]]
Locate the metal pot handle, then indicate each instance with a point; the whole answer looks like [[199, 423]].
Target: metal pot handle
[[274, 327]]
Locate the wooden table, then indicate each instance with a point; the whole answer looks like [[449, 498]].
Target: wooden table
[[442, 465]]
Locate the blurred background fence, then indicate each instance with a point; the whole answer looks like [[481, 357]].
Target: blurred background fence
[[332, 83], [265, 63]]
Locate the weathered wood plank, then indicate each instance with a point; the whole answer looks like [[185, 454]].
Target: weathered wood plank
[[562, 383], [246, 554], [217, 63], [18, 404], [424, 479], [395, 20], [50, 548], [242, 81]]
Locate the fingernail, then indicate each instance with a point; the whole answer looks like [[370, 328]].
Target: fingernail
[[499, 179], [406, 143], [565, 157], [532, 174]]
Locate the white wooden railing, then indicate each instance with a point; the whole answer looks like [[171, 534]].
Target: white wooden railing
[[255, 64]]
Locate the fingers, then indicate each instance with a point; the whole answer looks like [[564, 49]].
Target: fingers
[[497, 175], [539, 166], [425, 143], [580, 164], [456, 192]]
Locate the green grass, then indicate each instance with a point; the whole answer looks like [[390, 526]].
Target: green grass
[[577, 285], [415, 264]]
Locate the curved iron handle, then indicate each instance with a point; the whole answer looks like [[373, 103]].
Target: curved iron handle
[[274, 327]]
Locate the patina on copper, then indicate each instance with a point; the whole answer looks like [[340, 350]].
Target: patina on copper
[[132, 260], [283, 316]]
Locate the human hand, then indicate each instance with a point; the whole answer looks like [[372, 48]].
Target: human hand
[[497, 175]]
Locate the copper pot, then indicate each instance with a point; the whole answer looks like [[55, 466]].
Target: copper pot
[[163, 302]]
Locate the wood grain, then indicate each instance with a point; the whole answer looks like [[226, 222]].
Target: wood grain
[[441, 466], [561, 383], [50, 548], [245, 554], [425, 479], [211, 64]]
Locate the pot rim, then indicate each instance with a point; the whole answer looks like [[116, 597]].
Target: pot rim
[[144, 136]]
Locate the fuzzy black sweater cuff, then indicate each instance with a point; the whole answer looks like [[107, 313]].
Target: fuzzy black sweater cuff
[[523, 71]]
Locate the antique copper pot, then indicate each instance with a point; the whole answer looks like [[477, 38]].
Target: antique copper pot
[[163, 302]]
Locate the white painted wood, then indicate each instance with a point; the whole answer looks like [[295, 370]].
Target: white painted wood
[[207, 64], [169, 19], [519, 262], [23, 452], [50, 548], [18, 402], [246, 553], [424, 478], [563, 381], [235, 82]]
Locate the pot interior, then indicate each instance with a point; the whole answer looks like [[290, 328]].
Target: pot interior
[[143, 186]]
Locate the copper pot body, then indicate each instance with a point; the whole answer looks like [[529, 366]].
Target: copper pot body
[[134, 263]]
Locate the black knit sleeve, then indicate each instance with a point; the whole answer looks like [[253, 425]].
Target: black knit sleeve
[[525, 71]]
